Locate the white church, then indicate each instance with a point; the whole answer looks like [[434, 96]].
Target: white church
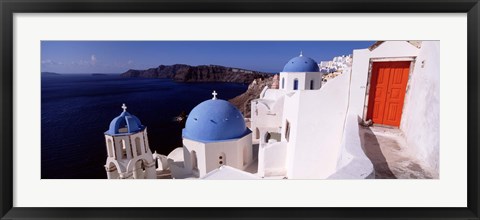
[[298, 128]]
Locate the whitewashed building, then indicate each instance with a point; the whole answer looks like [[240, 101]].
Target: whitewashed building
[[337, 64], [305, 140]]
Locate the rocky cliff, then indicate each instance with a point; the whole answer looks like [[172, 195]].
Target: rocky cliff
[[203, 73], [243, 101]]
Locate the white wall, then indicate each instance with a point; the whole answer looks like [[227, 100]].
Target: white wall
[[188, 147], [233, 151], [317, 80], [290, 114], [208, 153], [360, 66], [421, 113], [272, 159], [353, 163], [316, 118], [273, 94], [176, 154], [290, 77], [176, 163], [178, 171], [267, 112]]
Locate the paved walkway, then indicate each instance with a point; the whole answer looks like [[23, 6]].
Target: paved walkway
[[388, 151]]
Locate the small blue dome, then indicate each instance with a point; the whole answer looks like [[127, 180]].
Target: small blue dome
[[125, 123], [301, 64], [215, 120]]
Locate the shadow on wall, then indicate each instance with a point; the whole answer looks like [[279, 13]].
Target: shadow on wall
[[371, 147]]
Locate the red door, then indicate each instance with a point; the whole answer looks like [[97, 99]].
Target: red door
[[387, 92]]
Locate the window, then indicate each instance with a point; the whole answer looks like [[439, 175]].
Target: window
[[287, 131], [124, 149], [311, 84], [138, 146], [222, 160], [194, 160], [283, 83], [295, 84], [145, 147], [117, 145], [110, 148]]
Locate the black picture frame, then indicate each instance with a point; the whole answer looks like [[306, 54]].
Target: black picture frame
[[9, 7]]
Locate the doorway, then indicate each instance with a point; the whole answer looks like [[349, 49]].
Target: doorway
[[388, 85]]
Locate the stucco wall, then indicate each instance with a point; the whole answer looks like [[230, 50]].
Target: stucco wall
[[317, 80], [421, 113], [353, 163], [271, 159], [290, 115], [289, 80], [317, 118], [273, 94], [188, 147], [267, 112], [208, 153], [360, 65]]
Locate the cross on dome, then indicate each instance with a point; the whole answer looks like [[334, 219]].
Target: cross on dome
[[214, 95], [124, 107], [301, 53]]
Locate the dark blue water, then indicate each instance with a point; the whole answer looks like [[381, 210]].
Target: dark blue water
[[77, 110]]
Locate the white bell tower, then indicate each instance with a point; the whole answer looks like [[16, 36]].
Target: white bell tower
[[128, 151]]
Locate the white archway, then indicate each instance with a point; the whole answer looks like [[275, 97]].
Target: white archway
[[139, 169]]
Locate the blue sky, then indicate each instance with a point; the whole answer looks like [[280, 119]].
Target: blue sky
[[119, 56]]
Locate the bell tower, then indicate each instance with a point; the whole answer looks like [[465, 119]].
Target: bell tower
[[128, 151]]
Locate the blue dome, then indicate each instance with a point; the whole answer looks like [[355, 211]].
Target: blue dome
[[215, 120], [125, 123], [301, 64]]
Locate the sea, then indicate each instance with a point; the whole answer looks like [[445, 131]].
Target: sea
[[76, 110]]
